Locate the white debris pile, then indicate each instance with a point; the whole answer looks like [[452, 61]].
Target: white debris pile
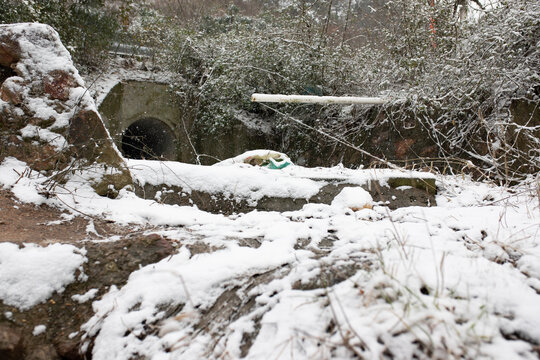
[[260, 157]]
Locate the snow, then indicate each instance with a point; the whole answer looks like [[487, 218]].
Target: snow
[[10, 171], [237, 180], [460, 279], [470, 296], [89, 295], [100, 85], [233, 177], [354, 198], [47, 136], [457, 280], [31, 274], [39, 329], [15, 175]]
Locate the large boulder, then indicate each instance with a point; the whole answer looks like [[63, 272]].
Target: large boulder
[[47, 117]]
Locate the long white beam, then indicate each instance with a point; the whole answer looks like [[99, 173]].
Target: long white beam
[[316, 99]]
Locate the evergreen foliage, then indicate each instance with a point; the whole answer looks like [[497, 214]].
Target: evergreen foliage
[[457, 77], [86, 27]]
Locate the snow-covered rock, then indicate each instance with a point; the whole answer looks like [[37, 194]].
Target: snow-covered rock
[[30, 275], [354, 198], [49, 119]]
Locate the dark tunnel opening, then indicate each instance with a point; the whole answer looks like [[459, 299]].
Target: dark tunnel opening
[[149, 139]]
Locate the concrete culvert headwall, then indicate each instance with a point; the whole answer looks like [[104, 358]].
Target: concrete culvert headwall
[[147, 120], [143, 120], [149, 138]]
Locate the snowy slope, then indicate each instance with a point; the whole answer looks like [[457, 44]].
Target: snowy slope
[[461, 279]]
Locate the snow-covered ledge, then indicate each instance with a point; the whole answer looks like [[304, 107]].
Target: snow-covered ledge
[[231, 186]]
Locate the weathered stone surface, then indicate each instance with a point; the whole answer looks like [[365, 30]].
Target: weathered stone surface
[[11, 90], [58, 83], [38, 156], [42, 123], [163, 246], [9, 50], [109, 263], [46, 158], [42, 352], [90, 141], [68, 349], [112, 183], [11, 343], [85, 132], [402, 148], [427, 185]]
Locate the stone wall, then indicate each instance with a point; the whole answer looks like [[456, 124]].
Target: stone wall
[[411, 141]]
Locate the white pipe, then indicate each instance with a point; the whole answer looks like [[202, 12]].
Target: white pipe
[[316, 99]]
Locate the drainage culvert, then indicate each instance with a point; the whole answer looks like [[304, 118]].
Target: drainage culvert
[[149, 138], [148, 121]]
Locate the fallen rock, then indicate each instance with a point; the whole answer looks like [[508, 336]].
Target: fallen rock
[[354, 198], [11, 90]]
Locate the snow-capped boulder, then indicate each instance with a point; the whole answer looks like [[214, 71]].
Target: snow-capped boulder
[[47, 117]]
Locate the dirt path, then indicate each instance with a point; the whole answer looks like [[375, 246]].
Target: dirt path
[[20, 223]]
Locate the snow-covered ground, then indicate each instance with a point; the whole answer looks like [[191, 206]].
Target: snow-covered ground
[[30, 275], [460, 279]]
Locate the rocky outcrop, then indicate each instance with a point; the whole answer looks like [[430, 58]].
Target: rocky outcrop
[[47, 117]]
